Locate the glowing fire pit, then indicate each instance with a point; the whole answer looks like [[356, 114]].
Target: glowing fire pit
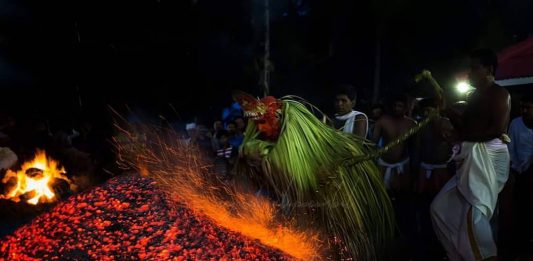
[[128, 218], [34, 180]]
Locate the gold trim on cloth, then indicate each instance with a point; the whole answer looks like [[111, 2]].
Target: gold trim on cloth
[[471, 236]]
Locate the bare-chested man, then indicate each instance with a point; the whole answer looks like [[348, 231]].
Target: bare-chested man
[[395, 166], [435, 152], [395, 163], [462, 210]]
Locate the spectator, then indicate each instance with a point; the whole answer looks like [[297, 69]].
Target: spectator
[[192, 133], [235, 136], [241, 124], [375, 114], [347, 119], [395, 166], [519, 187], [217, 128], [521, 134], [225, 155], [395, 163], [435, 154]]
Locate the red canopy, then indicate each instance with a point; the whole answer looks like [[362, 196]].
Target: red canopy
[[516, 61]]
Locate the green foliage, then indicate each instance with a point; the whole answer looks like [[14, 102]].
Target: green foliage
[[302, 167]]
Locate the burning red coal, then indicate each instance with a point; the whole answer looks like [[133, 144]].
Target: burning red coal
[[185, 173], [128, 218]]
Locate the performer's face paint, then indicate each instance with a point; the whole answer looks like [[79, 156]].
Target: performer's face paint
[[265, 113]]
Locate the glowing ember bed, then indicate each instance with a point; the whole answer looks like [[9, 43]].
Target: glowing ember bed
[[128, 218]]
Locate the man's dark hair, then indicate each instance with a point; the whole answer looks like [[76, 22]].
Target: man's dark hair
[[346, 89], [528, 98], [391, 100], [486, 57]]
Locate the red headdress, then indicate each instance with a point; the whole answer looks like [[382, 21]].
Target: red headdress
[[264, 112]]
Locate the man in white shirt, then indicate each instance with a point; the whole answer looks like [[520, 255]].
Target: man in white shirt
[[347, 119]]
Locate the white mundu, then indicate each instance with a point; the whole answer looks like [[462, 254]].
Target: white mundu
[[461, 212]]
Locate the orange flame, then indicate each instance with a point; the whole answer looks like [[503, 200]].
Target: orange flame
[[247, 214], [181, 171], [38, 185]]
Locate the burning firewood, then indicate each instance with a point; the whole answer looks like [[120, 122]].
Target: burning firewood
[[35, 173], [32, 183]]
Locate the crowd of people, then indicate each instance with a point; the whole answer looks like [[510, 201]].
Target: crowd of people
[[461, 187], [221, 142], [444, 181]]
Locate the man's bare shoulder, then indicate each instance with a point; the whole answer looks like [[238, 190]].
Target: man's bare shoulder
[[500, 92], [360, 117]]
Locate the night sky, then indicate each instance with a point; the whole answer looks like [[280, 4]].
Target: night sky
[[141, 52]]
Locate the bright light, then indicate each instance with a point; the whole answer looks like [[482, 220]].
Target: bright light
[[463, 87]]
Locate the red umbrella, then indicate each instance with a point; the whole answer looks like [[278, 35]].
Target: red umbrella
[[516, 64]]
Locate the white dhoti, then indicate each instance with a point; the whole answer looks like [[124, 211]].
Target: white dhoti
[[397, 168], [462, 210], [428, 168]]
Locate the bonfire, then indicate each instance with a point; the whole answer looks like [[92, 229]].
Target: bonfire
[[35, 180]]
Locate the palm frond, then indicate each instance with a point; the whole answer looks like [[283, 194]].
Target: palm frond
[[303, 165]]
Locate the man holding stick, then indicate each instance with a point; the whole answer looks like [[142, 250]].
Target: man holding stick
[[461, 212]]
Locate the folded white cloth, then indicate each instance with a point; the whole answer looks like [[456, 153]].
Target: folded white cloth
[[430, 167], [399, 167], [349, 119], [462, 210], [190, 126]]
